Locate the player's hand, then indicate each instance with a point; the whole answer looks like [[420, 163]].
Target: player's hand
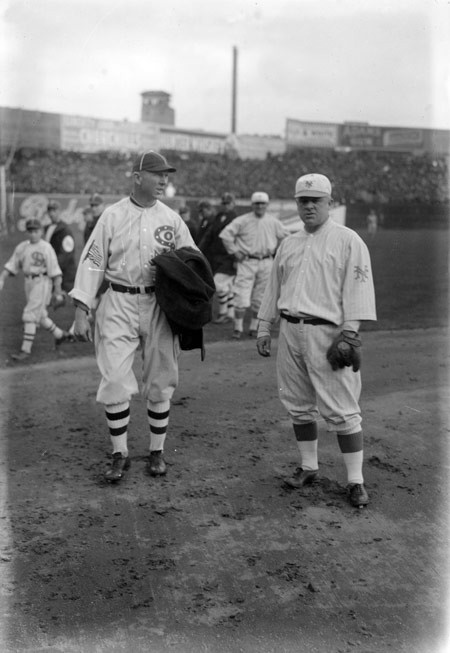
[[239, 256], [263, 345], [82, 327]]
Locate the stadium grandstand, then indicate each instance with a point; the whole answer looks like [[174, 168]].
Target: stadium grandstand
[[382, 167]]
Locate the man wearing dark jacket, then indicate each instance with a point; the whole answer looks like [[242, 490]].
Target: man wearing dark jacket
[[60, 237], [222, 263]]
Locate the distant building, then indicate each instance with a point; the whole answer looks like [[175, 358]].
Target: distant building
[[252, 146], [155, 108]]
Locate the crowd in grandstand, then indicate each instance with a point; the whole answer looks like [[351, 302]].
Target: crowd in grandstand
[[367, 176]]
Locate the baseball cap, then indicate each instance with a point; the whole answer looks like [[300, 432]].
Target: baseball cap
[[32, 223], [205, 204], [152, 162], [53, 204], [227, 198], [95, 199], [313, 185], [260, 197]]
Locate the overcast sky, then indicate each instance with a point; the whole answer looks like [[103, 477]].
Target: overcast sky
[[385, 62]]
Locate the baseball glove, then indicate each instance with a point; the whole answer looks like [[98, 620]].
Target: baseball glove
[[58, 300], [345, 351]]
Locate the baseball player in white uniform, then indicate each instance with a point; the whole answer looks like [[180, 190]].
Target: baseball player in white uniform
[[253, 239], [120, 249], [322, 288], [37, 259]]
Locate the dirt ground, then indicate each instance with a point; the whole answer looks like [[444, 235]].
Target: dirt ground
[[219, 557]]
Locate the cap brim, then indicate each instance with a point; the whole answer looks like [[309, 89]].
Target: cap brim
[[312, 193], [158, 169]]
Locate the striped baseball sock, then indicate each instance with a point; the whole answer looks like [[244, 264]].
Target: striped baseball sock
[[51, 327], [222, 299], [351, 446], [118, 418], [158, 420], [29, 331], [230, 304], [307, 440]]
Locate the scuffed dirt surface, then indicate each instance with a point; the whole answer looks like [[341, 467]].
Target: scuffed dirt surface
[[219, 557]]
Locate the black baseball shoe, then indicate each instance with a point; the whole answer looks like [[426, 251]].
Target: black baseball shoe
[[120, 464], [357, 495], [20, 356], [301, 477], [155, 464]]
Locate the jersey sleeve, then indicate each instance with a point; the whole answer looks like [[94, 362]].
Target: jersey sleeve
[[183, 237], [228, 237], [358, 293], [14, 263], [269, 305], [92, 264]]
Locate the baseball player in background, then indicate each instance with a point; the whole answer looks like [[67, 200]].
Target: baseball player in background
[[128, 235], [60, 237], [37, 259], [252, 239], [322, 288]]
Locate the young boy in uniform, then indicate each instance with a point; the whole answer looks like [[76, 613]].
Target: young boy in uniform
[[43, 276]]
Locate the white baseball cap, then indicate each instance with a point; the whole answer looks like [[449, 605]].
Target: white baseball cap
[[313, 185], [260, 197]]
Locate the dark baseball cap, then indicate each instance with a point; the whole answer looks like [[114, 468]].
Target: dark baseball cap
[[33, 223], [227, 198], [205, 204], [95, 199], [53, 204], [152, 162]]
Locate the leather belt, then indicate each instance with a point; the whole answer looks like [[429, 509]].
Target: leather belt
[[260, 258], [35, 276], [306, 320], [133, 290]]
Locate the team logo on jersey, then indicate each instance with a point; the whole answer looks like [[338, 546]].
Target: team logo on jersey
[[38, 259], [165, 235], [361, 274], [94, 254]]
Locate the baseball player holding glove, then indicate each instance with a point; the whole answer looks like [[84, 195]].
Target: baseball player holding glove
[[126, 238], [43, 276], [321, 287]]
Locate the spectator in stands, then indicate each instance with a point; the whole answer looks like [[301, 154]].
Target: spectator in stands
[[222, 263], [60, 237]]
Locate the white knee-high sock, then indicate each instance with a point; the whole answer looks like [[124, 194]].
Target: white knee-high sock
[[353, 463]]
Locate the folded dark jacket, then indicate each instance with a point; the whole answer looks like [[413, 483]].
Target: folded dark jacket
[[184, 289]]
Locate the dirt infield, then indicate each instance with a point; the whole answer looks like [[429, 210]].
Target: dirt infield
[[219, 557]]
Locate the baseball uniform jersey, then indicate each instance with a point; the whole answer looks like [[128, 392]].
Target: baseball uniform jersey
[[120, 250]]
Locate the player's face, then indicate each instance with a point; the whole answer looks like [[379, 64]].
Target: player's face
[[259, 209], [150, 186], [34, 235], [313, 211]]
